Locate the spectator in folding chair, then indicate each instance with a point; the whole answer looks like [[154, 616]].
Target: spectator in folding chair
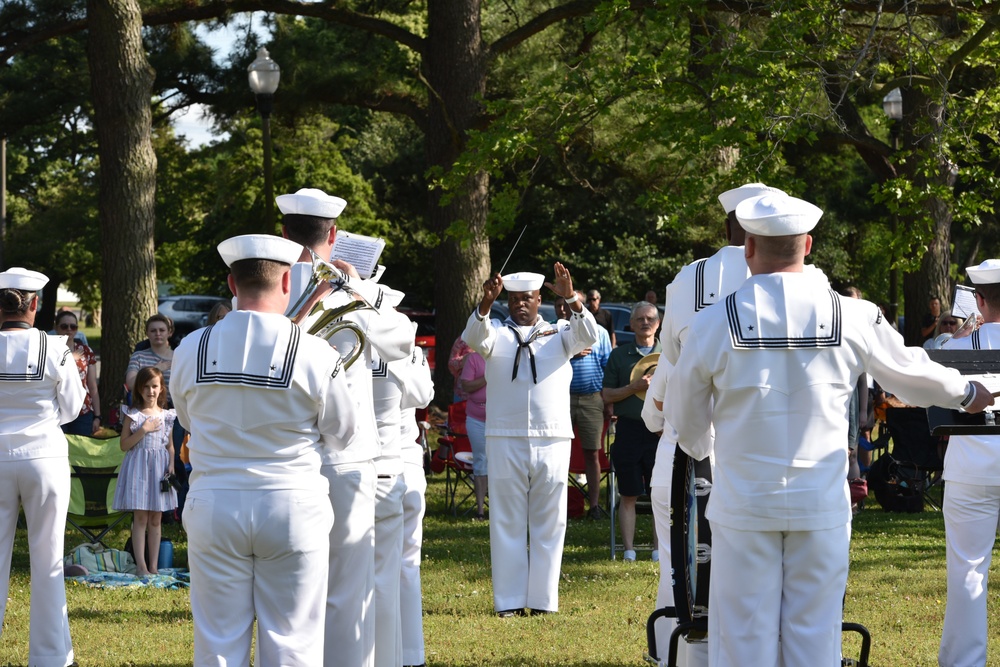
[[40, 389], [472, 380], [528, 434], [971, 500], [586, 407]]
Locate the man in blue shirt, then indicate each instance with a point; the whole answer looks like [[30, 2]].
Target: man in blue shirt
[[586, 406]]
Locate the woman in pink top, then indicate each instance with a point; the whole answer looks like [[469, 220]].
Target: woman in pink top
[[473, 384]]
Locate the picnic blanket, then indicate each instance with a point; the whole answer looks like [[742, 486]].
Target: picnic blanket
[[172, 578]]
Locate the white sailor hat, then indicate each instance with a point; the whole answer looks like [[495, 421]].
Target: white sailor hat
[[777, 214], [22, 279], [986, 273], [523, 282], [730, 199], [310, 201], [260, 246]]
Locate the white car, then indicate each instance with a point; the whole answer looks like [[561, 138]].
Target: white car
[[188, 311]]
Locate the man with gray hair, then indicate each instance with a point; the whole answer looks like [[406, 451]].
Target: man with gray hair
[[634, 449]]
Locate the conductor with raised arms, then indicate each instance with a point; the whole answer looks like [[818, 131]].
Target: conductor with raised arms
[[528, 433]]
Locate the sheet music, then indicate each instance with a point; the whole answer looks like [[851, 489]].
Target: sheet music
[[964, 303], [360, 251]]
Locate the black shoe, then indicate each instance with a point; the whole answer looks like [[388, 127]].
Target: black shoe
[[510, 613], [595, 513], [539, 612]]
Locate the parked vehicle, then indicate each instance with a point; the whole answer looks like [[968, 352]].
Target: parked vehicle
[[188, 311], [620, 315]]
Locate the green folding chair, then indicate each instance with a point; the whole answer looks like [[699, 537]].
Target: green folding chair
[[94, 466]]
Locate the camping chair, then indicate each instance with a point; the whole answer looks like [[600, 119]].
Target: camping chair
[[578, 467], [903, 476], [94, 466], [458, 477]]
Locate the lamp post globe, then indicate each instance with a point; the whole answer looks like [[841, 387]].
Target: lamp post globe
[[264, 74]]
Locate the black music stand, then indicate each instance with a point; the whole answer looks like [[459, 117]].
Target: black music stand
[[982, 365]]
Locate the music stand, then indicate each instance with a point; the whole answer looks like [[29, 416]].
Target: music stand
[[981, 365]]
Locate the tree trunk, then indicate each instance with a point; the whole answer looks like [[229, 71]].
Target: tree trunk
[[934, 278], [121, 84], [455, 72]]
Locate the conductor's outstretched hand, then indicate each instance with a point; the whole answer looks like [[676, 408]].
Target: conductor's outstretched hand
[[564, 282]]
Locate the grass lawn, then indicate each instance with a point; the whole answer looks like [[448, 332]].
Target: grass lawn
[[896, 589]]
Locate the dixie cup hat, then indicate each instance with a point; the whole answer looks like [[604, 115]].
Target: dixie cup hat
[[777, 214], [311, 201], [22, 279], [986, 273], [260, 246], [730, 199], [523, 281]]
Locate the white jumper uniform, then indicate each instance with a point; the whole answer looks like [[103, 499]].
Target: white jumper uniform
[[418, 391], [350, 630], [40, 389], [528, 434], [261, 401], [971, 521], [774, 366]]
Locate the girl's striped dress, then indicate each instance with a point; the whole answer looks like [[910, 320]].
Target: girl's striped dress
[[143, 468]]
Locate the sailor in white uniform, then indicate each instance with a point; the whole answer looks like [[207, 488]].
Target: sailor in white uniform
[[309, 218], [694, 288], [261, 399], [39, 390], [528, 434], [773, 367], [414, 377], [972, 500]]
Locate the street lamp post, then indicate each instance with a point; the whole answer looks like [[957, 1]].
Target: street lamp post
[[264, 74], [892, 105]]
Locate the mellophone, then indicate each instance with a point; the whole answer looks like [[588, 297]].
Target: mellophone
[[327, 322], [981, 365]]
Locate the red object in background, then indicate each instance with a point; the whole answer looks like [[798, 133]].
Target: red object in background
[[425, 332]]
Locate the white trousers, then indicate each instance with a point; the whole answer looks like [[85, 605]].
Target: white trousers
[[688, 655], [971, 521], [776, 597], [388, 559], [257, 553], [42, 487], [527, 486], [350, 629], [411, 607]]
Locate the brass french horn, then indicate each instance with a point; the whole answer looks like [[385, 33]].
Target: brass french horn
[[324, 280]]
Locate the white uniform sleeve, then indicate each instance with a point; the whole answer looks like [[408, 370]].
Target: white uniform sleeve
[[582, 332], [669, 340], [687, 405], [651, 415], [909, 373], [70, 393], [480, 333], [336, 420], [179, 381], [417, 386], [389, 332]]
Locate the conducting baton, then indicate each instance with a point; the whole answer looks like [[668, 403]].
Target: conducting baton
[[512, 250]]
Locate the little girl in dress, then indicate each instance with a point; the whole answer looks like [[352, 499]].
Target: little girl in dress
[[149, 457]]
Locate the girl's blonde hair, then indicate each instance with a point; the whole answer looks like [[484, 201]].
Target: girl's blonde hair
[[142, 378]]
